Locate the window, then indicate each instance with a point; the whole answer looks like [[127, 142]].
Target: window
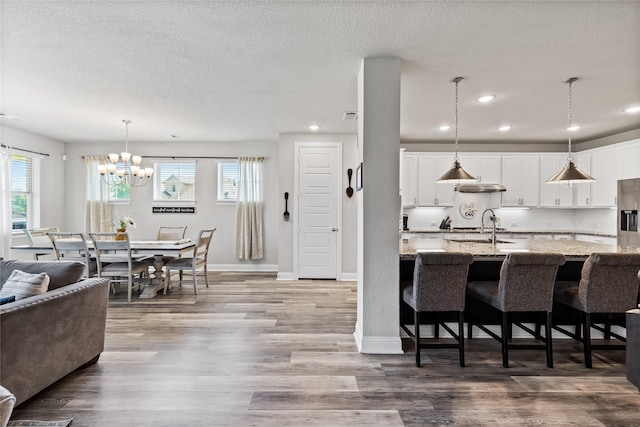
[[25, 192], [227, 181], [120, 192], [174, 181]]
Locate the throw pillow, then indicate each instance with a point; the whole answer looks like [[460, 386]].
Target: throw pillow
[[7, 300], [23, 285]]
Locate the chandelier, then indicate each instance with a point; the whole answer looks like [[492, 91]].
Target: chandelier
[[124, 169], [570, 174], [456, 174]]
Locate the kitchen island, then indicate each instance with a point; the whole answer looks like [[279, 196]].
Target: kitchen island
[[487, 261]]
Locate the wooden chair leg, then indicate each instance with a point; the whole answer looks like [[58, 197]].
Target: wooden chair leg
[[461, 337], [549, 339], [206, 276], [416, 338], [504, 341], [195, 285], [587, 340]]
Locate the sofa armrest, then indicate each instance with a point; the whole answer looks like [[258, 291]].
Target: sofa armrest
[[45, 337]]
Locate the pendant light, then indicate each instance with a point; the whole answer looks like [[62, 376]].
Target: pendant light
[[570, 174], [456, 174]]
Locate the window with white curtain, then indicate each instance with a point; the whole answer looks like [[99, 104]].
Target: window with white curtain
[[174, 181], [25, 192]]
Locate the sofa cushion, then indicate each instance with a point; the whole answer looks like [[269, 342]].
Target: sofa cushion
[[7, 300], [61, 273], [23, 285]]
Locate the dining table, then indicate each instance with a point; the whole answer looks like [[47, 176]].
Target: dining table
[[155, 248]]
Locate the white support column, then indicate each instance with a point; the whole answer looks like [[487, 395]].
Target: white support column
[[377, 328]]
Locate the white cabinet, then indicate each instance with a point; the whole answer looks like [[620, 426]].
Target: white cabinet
[[521, 177], [409, 180], [582, 191], [430, 193], [553, 195], [604, 168], [630, 160]]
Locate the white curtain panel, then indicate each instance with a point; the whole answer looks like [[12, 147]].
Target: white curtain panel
[[249, 209], [5, 203], [97, 217]]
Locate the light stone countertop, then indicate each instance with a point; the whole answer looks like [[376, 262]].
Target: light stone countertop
[[569, 248]]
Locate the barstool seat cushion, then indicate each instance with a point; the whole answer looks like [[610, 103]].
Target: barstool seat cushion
[[485, 291], [566, 292]]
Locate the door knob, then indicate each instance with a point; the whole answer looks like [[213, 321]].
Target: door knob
[[334, 229]]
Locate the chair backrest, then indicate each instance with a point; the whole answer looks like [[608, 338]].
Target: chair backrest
[[609, 282], [71, 246], [440, 280], [171, 232], [110, 250], [39, 236], [201, 250], [527, 281]]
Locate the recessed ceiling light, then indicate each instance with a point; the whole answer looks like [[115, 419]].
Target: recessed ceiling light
[[504, 128], [573, 128], [486, 98], [634, 109], [314, 127], [444, 128]]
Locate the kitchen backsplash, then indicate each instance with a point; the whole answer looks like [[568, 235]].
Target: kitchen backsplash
[[602, 220]]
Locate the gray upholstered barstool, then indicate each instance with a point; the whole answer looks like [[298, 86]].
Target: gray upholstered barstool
[[525, 286], [608, 286], [439, 281]]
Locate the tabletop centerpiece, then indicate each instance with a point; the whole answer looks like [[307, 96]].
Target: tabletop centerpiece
[[122, 225]]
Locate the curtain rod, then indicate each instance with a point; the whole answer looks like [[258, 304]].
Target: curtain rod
[[23, 150], [193, 157]]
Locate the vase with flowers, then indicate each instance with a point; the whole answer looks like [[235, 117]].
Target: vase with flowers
[[123, 224]]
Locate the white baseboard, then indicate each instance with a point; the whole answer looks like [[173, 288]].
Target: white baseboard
[[285, 275], [377, 345], [352, 277], [242, 267]]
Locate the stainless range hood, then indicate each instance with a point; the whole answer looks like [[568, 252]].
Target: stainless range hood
[[480, 188]]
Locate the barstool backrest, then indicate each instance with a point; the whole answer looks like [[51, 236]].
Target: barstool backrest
[[609, 282], [440, 280], [527, 280]]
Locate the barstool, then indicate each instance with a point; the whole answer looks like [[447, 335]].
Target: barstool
[[439, 281], [525, 286], [608, 286]]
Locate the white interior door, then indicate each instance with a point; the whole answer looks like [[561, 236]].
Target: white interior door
[[318, 220]]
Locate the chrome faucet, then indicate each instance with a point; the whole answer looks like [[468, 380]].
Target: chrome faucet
[[492, 217]]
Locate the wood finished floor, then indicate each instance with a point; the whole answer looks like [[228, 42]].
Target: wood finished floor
[[251, 350]]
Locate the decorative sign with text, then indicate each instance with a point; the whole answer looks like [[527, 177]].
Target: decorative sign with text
[[173, 209]]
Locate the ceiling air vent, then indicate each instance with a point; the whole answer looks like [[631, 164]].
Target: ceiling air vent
[[350, 116]]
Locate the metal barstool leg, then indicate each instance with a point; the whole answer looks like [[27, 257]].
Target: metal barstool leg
[[587, 340], [549, 340], [416, 337], [461, 337], [504, 341]]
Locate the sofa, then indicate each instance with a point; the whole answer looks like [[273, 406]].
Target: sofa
[[45, 337]]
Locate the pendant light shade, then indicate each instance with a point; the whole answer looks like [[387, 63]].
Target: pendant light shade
[[456, 174], [570, 174]]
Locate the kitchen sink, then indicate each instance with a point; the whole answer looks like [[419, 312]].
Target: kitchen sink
[[477, 241]]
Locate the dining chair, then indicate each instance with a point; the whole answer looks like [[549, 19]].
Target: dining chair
[[115, 261], [194, 263], [438, 288], [72, 246], [524, 289], [608, 287], [38, 237], [170, 232]]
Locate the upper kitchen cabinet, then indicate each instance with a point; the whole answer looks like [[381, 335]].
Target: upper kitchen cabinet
[[605, 167], [630, 160], [554, 195], [487, 168], [521, 177], [582, 191], [409, 180], [430, 168]]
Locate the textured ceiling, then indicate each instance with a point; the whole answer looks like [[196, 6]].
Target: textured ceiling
[[249, 70]]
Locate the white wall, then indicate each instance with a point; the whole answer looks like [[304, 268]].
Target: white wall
[[208, 212], [349, 207], [52, 171]]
